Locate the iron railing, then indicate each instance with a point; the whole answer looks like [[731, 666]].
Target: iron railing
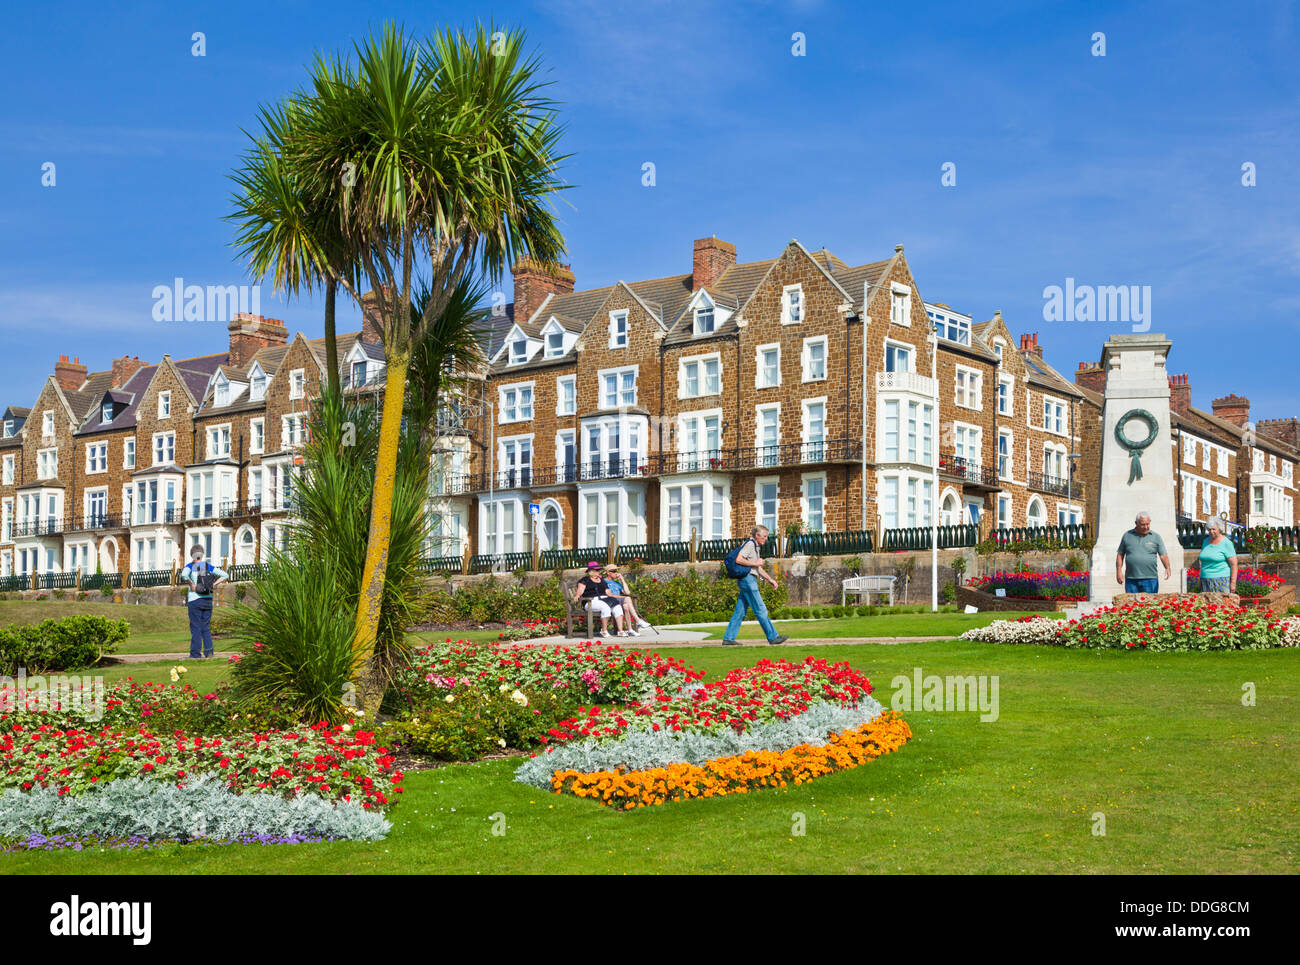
[[97, 580], [827, 544], [45, 526], [1059, 485], [959, 467], [1068, 535], [145, 578], [97, 521], [918, 537]]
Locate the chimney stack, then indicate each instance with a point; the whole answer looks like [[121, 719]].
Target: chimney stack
[[250, 333], [1091, 376], [70, 375], [1232, 408], [711, 260], [534, 280], [124, 368], [1283, 430], [1029, 343], [1180, 394]]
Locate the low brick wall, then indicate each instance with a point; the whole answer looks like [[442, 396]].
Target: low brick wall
[[988, 603]]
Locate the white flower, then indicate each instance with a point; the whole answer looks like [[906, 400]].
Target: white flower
[[501, 741], [347, 727], [503, 688], [175, 676], [519, 698], [449, 698]]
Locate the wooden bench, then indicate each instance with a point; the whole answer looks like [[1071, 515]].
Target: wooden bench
[[867, 585], [576, 610]]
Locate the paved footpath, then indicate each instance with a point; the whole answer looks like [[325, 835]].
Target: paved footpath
[[669, 637]]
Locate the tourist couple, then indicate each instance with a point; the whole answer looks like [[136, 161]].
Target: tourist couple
[[1140, 549], [604, 592]]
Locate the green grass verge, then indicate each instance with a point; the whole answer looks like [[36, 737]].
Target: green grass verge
[[1189, 781], [143, 617], [892, 625]]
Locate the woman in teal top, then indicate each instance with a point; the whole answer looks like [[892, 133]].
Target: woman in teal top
[[1218, 561]]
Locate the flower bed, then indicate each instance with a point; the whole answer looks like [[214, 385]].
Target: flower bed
[[739, 774], [153, 739], [756, 726], [1186, 623], [1251, 584], [1061, 585]]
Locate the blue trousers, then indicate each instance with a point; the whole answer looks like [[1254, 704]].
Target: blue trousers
[[1141, 586], [200, 627], [748, 598]]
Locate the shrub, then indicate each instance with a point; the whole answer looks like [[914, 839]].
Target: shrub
[[59, 594], [1064, 585], [106, 591], [67, 644], [298, 645], [948, 593], [477, 722]]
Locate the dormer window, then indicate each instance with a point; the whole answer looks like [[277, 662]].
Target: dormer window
[[554, 343], [256, 384], [618, 329], [9, 428], [222, 394], [518, 350], [358, 374], [792, 305], [704, 319], [106, 413]]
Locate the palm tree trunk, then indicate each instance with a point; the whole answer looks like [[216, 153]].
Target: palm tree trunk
[[381, 517], [331, 339]]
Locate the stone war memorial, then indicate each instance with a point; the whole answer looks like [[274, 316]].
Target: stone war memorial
[[1136, 457]]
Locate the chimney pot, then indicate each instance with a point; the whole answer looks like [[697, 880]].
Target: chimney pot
[[534, 280], [709, 261]]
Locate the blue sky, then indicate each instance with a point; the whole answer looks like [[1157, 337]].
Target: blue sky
[[1122, 169]]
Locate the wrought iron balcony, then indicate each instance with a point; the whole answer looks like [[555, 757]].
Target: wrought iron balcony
[[1059, 485], [662, 464], [45, 526], [968, 471], [95, 521]]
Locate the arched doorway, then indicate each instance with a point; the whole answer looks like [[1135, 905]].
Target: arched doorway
[[552, 527], [950, 510], [1036, 514], [108, 554], [245, 547]]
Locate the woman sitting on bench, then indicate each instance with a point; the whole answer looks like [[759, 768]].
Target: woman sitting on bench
[[618, 590], [592, 591]]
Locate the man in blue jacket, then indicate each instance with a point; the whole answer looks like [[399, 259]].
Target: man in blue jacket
[[202, 579]]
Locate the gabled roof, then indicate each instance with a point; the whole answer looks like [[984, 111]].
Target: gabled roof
[[1043, 375]]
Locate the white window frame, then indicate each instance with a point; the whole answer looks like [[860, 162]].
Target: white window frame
[[900, 304], [616, 316], [1064, 417], [804, 425], [804, 511], [1010, 436], [47, 424], [705, 306], [701, 377], [759, 351], [759, 444], [759, 520], [297, 383], [977, 432], [257, 435], [715, 508], [1010, 382], [153, 451], [565, 470], [44, 456], [973, 396], [254, 393], [165, 404], [786, 313], [806, 358], [552, 328], [128, 453], [7, 469], [560, 383], [215, 432], [618, 373], [287, 440], [90, 462], [898, 346], [516, 388]]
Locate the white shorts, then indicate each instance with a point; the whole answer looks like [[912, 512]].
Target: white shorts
[[604, 610]]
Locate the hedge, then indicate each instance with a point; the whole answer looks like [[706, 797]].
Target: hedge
[[67, 644]]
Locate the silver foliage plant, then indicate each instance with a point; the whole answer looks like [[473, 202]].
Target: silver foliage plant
[[203, 808], [639, 748]]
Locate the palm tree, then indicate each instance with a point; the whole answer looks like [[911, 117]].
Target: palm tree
[[283, 232], [439, 158]]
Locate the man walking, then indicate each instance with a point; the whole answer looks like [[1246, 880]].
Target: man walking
[[1135, 562], [202, 578], [748, 596]]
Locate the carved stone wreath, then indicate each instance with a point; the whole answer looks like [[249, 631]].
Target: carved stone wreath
[[1135, 448]]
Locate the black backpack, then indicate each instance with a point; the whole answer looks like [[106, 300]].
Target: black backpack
[[204, 579]]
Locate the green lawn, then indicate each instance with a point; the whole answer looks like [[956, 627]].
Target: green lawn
[[1188, 779], [888, 625], [143, 617]]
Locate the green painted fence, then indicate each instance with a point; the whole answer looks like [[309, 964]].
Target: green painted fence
[[829, 544], [918, 537]]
